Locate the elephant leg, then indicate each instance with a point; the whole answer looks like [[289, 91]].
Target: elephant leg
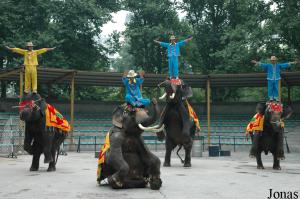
[[48, 136], [188, 148], [153, 164], [58, 139], [279, 147], [259, 161], [129, 183], [37, 151], [52, 166], [27, 142], [276, 162], [255, 143], [116, 160], [169, 147]]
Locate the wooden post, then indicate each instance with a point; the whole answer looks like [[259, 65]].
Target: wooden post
[[289, 94], [21, 84], [21, 123], [208, 109], [72, 146], [279, 90], [72, 103]]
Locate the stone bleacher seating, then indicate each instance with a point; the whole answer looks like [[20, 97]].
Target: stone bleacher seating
[[225, 129]]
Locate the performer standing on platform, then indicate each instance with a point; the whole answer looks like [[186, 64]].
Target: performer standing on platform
[[273, 76], [133, 83], [30, 63], [173, 53]]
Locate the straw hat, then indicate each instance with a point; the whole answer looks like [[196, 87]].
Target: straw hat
[[172, 37], [29, 44], [273, 58], [131, 73]]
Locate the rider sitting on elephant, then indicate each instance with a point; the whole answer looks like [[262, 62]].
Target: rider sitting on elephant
[[255, 128], [133, 83]]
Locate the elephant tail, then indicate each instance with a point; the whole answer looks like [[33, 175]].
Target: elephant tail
[[180, 146], [57, 154]]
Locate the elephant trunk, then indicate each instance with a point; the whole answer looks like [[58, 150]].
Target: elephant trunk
[[152, 119]]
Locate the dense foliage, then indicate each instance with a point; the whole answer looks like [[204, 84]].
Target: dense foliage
[[227, 35]]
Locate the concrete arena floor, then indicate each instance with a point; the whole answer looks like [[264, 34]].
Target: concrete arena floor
[[226, 177]]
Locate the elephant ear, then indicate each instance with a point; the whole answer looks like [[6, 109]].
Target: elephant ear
[[287, 112], [117, 118], [43, 106], [186, 91]]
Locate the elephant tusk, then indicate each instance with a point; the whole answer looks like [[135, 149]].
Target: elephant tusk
[[172, 96], [163, 96], [157, 130], [17, 106], [148, 128], [142, 127]]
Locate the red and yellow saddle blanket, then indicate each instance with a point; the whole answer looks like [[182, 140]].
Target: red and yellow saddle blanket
[[55, 119], [101, 157], [256, 124], [193, 115], [176, 81]]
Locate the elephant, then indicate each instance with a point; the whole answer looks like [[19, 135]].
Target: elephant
[[180, 130], [39, 138], [128, 162], [272, 137]]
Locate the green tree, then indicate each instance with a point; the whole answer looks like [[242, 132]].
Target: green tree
[[73, 26], [207, 18]]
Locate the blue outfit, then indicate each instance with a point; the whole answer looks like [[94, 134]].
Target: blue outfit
[[173, 54], [273, 76], [133, 92]]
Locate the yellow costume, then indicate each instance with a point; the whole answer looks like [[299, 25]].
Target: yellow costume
[[30, 63]]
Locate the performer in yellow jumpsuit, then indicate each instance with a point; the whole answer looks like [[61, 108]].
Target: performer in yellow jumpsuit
[[30, 63]]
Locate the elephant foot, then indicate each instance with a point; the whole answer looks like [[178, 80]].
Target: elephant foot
[[281, 158], [280, 155], [48, 159], [167, 164], [50, 169], [252, 153], [260, 167], [276, 167], [187, 164], [155, 183], [32, 168], [114, 183]]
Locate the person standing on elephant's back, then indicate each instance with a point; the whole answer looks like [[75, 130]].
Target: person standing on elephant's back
[[133, 82], [273, 75], [173, 49], [30, 63]]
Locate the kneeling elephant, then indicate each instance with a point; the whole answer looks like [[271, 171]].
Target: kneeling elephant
[[127, 162]]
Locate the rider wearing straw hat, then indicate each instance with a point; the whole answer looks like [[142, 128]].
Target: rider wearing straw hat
[[273, 75], [133, 82], [30, 63], [173, 53]]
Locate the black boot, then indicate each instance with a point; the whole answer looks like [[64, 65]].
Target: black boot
[[255, 141]]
